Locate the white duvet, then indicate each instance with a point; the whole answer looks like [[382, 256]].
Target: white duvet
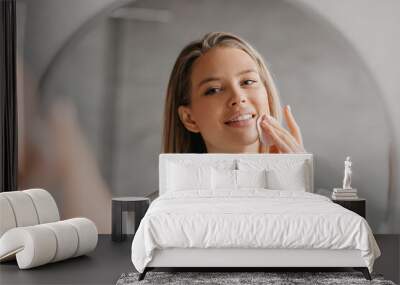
[[250, 218]]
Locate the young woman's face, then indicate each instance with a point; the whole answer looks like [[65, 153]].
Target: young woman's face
[[227, 96]]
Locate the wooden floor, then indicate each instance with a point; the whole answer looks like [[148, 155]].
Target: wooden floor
[[110, 260]]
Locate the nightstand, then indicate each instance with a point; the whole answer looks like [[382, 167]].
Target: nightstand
[[139, 205], [357, 205]]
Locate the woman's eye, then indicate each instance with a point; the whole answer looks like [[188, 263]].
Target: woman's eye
[[211, 91], [249, 82]]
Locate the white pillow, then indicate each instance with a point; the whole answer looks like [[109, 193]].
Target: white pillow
[[293, 178], [251, 178], [237, 179], [224, 179], [282, 174], [181, 177]]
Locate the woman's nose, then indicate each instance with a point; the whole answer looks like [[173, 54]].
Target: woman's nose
[[237, 97], [243, 100]]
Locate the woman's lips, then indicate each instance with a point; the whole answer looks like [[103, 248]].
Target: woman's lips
[[241, 124]]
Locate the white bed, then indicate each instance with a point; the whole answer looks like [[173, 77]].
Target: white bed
[[201, 221]]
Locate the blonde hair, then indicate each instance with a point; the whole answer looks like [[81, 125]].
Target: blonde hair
[[176, 138]]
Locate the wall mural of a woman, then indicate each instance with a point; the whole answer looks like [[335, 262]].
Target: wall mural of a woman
[[113, 79]]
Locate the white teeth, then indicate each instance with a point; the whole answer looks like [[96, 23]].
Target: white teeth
[[242, 118]]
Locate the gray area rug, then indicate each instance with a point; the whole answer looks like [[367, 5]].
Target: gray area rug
[[226, 278]]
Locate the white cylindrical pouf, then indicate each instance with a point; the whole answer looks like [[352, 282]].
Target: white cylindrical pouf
[[67, 239], [45, 205], [87, 234], [7, 218], [23, 207], [34, 245], [31, 232]]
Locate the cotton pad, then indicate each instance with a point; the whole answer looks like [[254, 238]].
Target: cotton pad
[[263, 137]]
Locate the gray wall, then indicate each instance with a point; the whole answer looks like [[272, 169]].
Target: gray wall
[[371, 27], [337, 98]]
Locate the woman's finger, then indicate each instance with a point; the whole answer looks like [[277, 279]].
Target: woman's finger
[[274, 123], [281, 144], [287, 137], [292, 124]]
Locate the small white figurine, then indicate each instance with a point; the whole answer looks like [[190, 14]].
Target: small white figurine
[[347, 174]]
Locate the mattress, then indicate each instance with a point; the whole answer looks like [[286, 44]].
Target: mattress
[[254, 218]]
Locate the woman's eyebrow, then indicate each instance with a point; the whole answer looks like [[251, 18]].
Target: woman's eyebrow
[[208, 79], [247, 71]]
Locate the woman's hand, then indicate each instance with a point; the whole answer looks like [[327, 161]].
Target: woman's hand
[[282, 140]]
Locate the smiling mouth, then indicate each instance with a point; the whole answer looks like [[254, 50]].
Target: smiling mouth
[[243, 121]]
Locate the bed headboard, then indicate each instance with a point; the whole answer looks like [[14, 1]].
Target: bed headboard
[[224, 159]]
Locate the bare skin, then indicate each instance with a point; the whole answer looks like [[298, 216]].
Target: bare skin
[[284, 141], [225, 82]]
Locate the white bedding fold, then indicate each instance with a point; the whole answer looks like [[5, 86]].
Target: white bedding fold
[[250, 218]]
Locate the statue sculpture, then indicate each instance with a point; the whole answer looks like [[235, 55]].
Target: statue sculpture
[[347, 174]]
